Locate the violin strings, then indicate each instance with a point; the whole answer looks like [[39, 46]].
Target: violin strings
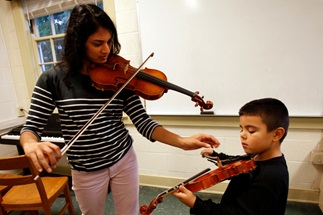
[[171, 190], [148, 77]]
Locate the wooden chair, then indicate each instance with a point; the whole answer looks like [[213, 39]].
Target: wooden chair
[[31, 192], [3, 190]]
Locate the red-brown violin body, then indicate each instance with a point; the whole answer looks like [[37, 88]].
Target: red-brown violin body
[[150, 84], [220, 174], [113, 75], [205, 181]]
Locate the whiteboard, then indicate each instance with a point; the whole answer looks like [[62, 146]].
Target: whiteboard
[[235, 51]]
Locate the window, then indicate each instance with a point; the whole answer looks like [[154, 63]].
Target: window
[[49, 34]]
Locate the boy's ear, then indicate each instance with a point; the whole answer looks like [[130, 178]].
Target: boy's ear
[[279, 133]]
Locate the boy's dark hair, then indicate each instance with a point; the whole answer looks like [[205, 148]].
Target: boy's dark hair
[[272, 111]]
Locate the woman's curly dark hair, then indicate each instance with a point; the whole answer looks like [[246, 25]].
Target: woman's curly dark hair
[[85, 20]]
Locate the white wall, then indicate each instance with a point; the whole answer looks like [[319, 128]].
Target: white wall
[[262, 48], [160, 160], [154, 158], [13, 86]]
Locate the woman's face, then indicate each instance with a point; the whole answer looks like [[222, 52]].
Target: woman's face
[[98, 45]]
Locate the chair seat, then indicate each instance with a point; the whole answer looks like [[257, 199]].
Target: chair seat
[[28, 194], [23, 195], [3, 188]]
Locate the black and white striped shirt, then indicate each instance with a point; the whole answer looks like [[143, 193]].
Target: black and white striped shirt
[[106, 140]]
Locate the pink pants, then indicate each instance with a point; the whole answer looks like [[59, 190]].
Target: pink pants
[[91, 188]]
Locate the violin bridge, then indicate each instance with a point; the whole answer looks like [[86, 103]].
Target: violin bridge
[[125, 69], [219, 163]]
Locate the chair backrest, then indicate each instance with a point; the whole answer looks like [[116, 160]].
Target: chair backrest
[[17, 163]]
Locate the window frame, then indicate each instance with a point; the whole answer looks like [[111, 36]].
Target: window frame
[[52, 46], [37, 39]]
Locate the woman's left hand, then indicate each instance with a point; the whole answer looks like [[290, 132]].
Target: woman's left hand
[[199, 141], [187, 143]]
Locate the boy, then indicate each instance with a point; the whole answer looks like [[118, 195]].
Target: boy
[[264, 124]]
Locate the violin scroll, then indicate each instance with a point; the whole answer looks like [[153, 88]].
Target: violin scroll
[[200, 102], [146, 210]]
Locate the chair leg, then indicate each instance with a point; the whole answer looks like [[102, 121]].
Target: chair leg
[[2, 211], [68, 199]]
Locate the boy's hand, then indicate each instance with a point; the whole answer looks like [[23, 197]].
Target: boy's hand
[[186, 196]]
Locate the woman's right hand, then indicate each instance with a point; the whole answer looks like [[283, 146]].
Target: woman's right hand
[[44, 155]]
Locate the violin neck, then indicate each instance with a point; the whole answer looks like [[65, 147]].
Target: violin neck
[[165, 84], [173, 189]]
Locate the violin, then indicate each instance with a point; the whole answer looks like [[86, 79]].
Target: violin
[[118, 74], [150, 84], [220, 174], [204, 180]]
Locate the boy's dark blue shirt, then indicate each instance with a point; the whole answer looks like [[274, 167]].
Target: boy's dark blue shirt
[[263, 191]]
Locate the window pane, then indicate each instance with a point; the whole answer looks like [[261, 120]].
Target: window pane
[[49, 66], [59, 44], [43, 68], [45, 52], [60, 21], [43, 26]]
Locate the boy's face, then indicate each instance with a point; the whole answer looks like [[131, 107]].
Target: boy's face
[[255, 138]]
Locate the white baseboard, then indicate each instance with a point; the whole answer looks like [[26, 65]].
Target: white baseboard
[[297, 195]]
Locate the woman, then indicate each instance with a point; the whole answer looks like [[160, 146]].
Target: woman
[[103, 155]]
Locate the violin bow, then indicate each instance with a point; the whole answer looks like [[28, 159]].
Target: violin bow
[[88, 123], [146, 210]]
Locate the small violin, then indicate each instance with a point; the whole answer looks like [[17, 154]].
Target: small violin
[[204, 180], [222, 173], [150, 84]]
